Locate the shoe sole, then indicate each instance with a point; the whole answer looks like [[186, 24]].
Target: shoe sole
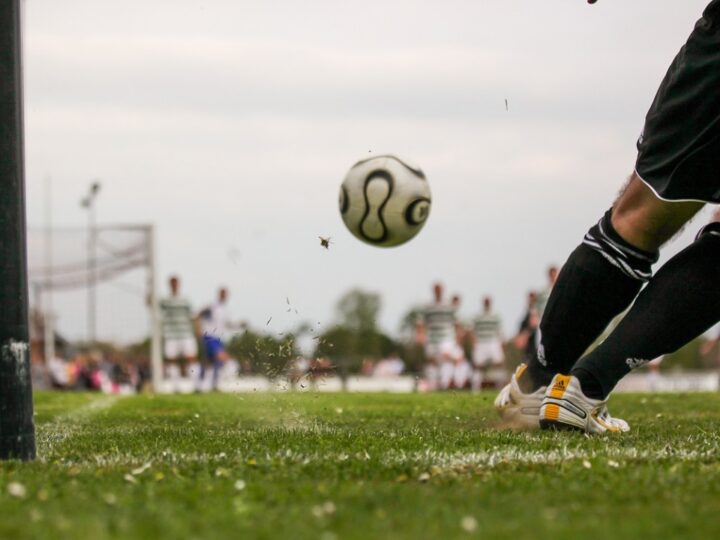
[[555, 425]]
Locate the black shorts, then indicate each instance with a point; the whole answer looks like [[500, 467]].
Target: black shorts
[[679, 150]]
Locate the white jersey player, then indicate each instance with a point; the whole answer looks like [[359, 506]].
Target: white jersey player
[[488, 353], [179, 342], [487, 337], [438, 322], [436, 332]]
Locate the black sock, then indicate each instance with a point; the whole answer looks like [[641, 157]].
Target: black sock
[[679, 304], [590, 384], [598, 281]]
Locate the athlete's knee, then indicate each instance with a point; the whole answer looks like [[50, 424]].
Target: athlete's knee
[[632, 261], [645, 221]]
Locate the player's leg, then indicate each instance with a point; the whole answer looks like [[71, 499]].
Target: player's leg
[[499, 373], [478, 365], [221, 357], [603, 275], [460, 377], [190, 353], [456, 358], [208, 343], [431, 369], [171, 356], [431, 375], [681, 302], [446, 372], [476, 377], [677, 160]]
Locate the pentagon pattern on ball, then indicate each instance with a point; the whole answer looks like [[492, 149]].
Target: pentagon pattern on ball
[[384, 200]]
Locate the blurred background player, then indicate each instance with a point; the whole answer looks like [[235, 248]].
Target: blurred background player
[[179, 341], [653, 375], [215, 324], [544, 295], [488, 355], [540, 305], [709, 347], [435, 331], [458, 370], [525, 340]]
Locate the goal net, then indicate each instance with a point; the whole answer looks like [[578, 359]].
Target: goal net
[[104, 277]]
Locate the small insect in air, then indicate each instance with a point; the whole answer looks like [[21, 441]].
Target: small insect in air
[[507, 108], [325, 242]]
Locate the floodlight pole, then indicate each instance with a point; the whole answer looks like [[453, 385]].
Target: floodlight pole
[[17, 430], [88, 202]]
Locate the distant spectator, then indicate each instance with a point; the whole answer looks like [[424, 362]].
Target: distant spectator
[[392, 366], [59, 372], [87, 374], [367, 367]]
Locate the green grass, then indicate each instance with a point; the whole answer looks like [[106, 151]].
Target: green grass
[[358, 466]]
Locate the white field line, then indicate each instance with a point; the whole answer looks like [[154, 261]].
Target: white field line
[[428, 458], [67, 425]]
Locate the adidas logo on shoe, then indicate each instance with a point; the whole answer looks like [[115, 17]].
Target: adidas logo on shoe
[[565, 406]]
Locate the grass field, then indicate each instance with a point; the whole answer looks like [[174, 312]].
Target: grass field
[[358, 466]]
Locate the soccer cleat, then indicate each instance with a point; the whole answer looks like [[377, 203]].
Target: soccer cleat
[[566, 407], [517, 408]]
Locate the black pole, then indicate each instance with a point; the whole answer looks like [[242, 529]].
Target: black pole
[[17, 431]]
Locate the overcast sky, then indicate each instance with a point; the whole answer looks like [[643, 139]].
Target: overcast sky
[[230, 124]]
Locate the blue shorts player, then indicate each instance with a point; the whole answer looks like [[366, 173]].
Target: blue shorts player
[[214, 348], [215, 324]]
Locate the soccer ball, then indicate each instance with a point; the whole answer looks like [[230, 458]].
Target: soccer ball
[[384, 201]]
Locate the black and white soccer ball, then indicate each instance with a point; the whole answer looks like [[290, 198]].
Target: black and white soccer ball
[[384, 200]]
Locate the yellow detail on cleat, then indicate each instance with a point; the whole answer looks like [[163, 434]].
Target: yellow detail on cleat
[[520, 370], [610, 427], [560, 385], [552, 412]]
